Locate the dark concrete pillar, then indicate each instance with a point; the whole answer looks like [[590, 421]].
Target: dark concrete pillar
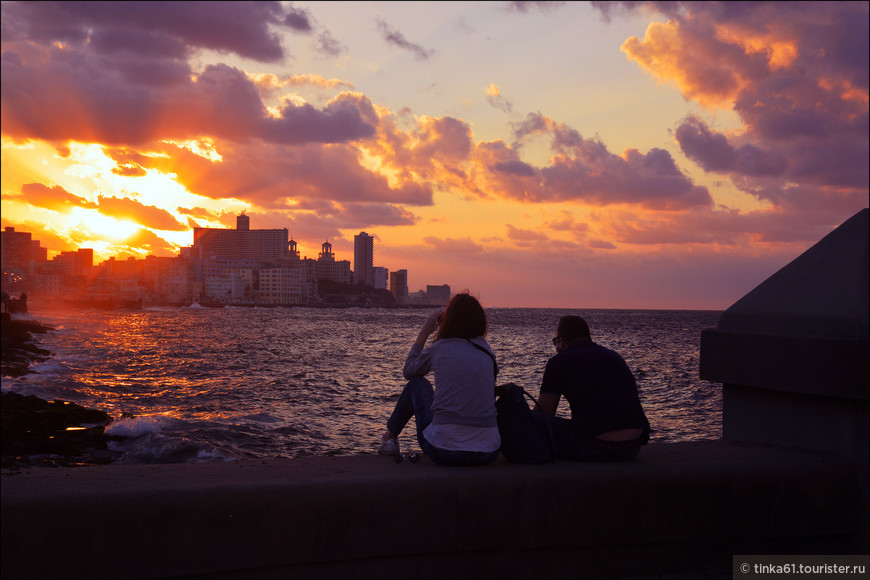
[[792, 355]]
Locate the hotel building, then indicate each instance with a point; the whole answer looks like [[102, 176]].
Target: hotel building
[[363, 259]]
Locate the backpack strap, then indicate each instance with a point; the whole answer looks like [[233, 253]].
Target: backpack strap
[[492, 356]]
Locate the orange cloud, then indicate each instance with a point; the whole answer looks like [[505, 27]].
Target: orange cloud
[[797, 76], [672, 53], [270, 83], [145, 242], [582, 170], [145, 215], [55, 198]]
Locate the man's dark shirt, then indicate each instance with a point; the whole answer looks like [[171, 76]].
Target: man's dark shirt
[[599, 387]]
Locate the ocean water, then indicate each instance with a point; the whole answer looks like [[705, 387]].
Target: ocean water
[[204, 384]]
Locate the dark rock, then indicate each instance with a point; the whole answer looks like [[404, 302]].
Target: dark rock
[[36, 432], [56, 433], [17, 351]]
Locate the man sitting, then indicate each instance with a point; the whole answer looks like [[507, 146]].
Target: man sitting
[[607, 420]]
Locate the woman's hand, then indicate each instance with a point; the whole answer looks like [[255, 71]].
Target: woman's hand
[[429, 327]]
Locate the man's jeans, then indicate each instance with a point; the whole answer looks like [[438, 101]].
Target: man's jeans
[[416, 401], [570, 445]]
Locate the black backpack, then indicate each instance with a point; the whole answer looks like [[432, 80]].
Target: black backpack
[[526, 434]]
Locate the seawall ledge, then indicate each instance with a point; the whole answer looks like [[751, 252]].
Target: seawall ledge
[[678, 507]]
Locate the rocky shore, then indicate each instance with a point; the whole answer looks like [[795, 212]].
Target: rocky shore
[[17, 350], [40, 433]]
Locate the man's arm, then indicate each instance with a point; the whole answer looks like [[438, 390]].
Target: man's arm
[[548, 402]]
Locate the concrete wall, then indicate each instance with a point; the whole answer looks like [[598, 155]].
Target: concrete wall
[[679, 508]]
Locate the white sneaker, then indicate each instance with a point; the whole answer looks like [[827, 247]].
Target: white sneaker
[[389, 446]]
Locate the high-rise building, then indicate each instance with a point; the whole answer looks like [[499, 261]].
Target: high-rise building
[[19, 251], [399, 286], [381, 277], [74, 263], [363, 259], [242, 242], [438, 294]]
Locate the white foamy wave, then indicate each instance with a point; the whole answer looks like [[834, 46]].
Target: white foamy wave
[[22, 316], [161, 448], [136, 426], [214, 455], [48, 367], [31, 385]]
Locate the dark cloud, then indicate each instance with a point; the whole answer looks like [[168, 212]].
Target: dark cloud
[[395, 37], [118, 73], [714, 153], [361, 215], [328, 44], [515, 167], [584, 170], [75, 98], [796, 74], [167, 28], [346, 118]]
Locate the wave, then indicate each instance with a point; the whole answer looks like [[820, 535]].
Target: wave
[[133, 427]]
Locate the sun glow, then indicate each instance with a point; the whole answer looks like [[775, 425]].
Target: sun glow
[[103, 226]]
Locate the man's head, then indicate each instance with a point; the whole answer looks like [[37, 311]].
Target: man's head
[[570, 331]]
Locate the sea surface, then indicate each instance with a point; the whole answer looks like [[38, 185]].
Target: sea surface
[[206, 384]]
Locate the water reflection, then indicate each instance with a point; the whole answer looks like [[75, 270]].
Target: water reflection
[[290, 382]]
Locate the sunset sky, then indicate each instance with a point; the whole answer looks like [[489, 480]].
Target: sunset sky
[[544, 154]]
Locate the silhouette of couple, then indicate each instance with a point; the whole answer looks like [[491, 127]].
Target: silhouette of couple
[[456, 418]]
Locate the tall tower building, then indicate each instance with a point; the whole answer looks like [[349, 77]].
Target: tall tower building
[[399, 286], [363, 259]]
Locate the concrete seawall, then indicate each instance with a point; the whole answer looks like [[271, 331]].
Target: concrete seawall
[[680, 508]]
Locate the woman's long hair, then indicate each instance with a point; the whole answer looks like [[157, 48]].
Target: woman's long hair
[[464, 317]]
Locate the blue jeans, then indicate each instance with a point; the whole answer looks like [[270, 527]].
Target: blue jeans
[[570, 445], [416, 401]]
